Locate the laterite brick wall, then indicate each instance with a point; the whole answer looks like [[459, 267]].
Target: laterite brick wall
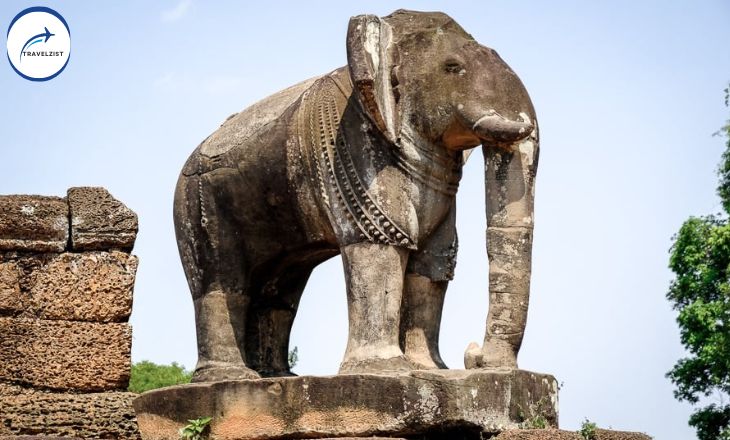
[[66, 281]]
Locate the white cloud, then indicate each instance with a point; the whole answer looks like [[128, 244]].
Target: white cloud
[[177, 12]]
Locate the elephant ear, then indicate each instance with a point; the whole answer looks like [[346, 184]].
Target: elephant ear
[[370, 60]]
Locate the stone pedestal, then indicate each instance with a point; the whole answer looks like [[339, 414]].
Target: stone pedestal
[[428, 404]]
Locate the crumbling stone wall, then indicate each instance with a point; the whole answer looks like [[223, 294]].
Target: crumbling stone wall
[[66, 281]]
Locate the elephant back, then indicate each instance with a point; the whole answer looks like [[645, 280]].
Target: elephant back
[[241, 126]]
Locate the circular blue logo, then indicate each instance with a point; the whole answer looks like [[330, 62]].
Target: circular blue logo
[[39, 43]]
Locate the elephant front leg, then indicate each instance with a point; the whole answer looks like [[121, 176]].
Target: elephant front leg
[[374, 276], [423, 303]]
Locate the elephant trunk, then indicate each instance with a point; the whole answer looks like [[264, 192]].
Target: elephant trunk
[[510, 187]]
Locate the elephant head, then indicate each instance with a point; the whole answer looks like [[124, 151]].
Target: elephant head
[[421, 78]]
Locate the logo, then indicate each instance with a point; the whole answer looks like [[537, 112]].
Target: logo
[[39, 43]]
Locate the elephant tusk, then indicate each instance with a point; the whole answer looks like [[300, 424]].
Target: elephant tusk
[[495, 127]]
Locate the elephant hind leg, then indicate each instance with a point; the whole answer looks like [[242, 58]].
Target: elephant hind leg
[[215, 266], [270, 319]]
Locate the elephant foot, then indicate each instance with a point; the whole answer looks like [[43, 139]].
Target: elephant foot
[[425, 362], [396, 364], [270, 373], [219, 371], [496, 355]]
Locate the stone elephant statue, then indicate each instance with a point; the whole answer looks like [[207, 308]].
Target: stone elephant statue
[[365, 162]]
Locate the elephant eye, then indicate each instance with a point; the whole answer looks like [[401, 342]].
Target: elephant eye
[[452, 66]]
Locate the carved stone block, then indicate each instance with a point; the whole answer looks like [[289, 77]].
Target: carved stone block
[[33, 223], [89, 286], [65, 355], [99, 221], [92, 286]]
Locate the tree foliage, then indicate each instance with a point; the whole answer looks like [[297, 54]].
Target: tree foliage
[[149, 376], [700, 292], [293, 357]]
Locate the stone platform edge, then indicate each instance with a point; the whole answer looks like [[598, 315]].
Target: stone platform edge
[[467, 403]]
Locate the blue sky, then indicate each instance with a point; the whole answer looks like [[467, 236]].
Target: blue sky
[[628, 95]]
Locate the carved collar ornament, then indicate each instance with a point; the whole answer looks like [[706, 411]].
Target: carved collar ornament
[[327, 150]]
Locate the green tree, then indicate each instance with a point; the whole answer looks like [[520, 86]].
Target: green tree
[[700, 292], [293, 357], [149, 376]]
